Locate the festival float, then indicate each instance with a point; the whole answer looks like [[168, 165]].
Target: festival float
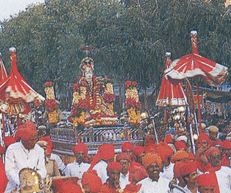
[[94, 121]]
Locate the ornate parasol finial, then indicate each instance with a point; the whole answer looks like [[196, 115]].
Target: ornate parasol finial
[[194, 41], [0, 54], [86, 49], [12, 49], [168, 54]]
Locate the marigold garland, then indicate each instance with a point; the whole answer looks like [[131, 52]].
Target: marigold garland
[[47, 84], [51, 104], [131, 102], [77, 108], [130, 84], [108, 97], [76, 88]]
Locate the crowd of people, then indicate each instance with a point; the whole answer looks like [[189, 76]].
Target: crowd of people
[[28, 164]]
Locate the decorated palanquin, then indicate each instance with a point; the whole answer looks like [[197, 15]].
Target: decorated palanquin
[[51, 103], [93, 98], [132, 102]]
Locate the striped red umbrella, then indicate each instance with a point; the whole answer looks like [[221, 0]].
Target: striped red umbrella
[[170, 94], [194, 65]]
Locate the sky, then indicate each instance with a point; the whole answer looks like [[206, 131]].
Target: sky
[[12, 7]]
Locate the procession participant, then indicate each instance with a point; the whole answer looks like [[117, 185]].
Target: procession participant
[[91, 182], [226, 152], [165, 153], [66, 185], [189, 174], [206, 183], [138, 152], [223, 173], [79, 166], [180, 155], [127, 147], [180, 145], [23, 154], [105, 155], [51, 165], [154, 183], [213, 132], [54, 156], [125, 177], [112, 184], [177, 176]]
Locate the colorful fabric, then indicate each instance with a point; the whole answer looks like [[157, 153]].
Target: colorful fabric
[[151, 158], [114, 166], [123, 156], [127, 145], [92, 180], [27, 131], [80, 147]]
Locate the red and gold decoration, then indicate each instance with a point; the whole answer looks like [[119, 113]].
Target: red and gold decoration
[[50, 102], [93, 98], [132, 102], [194, 65]]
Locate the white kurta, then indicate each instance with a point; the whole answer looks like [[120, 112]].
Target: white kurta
[[59, 162], [17, 158], [224, 179], [101, 169], [124, 180], [76, 169], [168, 171], [149, 186]]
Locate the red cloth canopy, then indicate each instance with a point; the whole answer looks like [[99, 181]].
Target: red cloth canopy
[[193, 64], [3, 75], [170, 95], [17, 92]]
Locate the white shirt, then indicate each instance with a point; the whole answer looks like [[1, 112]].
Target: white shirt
[[124, 180], [76, 169], [59, 162], [168, 171], [17, 158], [101, 169], [187, 190], [149, 186], [224, 179]]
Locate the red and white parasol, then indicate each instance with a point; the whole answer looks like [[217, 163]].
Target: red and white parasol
[[170, 95], [17, 92], [193, 65]]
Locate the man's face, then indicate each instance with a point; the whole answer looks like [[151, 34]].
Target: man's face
[[140, 157], [215, 159], [125, 166], [88, 75], [193, 177], [114, 177], [80, 157], [212, 135], [29, 144], [87, 189], [129, 152], [154, 171], [207, 189]]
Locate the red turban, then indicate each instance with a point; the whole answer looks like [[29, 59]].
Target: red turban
[[188, 168], [127, 145], [151, 158], [191, 156], [180, 145], [226, 144], [123, 156], [138, 150], [207, 179], [92, 180], [60, 182], [16, 136], [150, 148], [107, 151], [47, 139], [180, 155], [211, 150], [177, 168], [164, 150], [27, 130], [1, 150], [114, 166], [80, 147], [70, 187], [139, 173], [9, 140], [150, 140], [168, 139]]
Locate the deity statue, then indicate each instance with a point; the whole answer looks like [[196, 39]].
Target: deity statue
[[93, 98]]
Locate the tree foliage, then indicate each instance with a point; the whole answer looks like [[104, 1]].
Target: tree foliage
[[129, 38]]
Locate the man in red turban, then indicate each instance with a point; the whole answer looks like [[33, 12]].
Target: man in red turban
[[91, 183], [226, 152], [79, 166], [138, 152], [24, 154], [154, 183], [112, 184], [206, 183]]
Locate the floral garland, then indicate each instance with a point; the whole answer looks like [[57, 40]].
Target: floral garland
[[51, 104], [131, 103], [131, 84], [108, 97], [77, 108], [76, 88]]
